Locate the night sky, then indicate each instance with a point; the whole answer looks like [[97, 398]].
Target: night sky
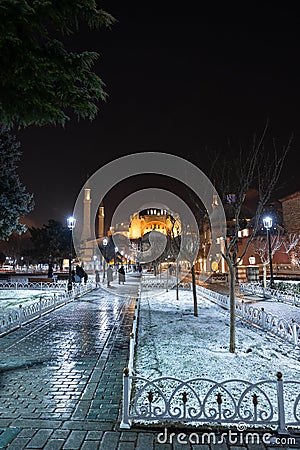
[[180, 80]]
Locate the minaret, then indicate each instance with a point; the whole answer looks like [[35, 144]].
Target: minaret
[[101, 221], [86, 231]]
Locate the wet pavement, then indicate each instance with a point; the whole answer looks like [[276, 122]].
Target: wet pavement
[[65, 368], [61, 379]]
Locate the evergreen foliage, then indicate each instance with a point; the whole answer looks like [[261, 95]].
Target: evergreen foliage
[[50, 243], [15, 202], [41, 82]]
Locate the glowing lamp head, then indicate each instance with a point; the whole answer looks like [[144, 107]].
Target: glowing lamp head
[[267, 222], [252, 260], [71, 222]]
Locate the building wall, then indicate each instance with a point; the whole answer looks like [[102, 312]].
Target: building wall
[[291, 213]]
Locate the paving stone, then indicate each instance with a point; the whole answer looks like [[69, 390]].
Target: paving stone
[[60, 434], [128, 436], [181, 446], [233, 447], [54, 444], [19, 443], [28, 423], [94, 435], [255, 446], [27, 432], [109, 441], [145, 441], [5, 423], [7, 436], [222, 446], [40, 438], [163, 446], [75, 440], [126, 446], [88, 426], [90, 445], [200, 447]]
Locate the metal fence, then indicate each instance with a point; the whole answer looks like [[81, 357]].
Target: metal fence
[[14, 318], [288, 330], [36, 285], [163, 283], [275, 294], [200, 400]]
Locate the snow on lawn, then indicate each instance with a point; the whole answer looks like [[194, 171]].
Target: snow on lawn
[[13, 298], [172, 342]]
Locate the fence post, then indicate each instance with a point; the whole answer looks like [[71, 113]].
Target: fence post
[[40, 307], [295, 333], [263, 318], [243, 308], [125, 423], [281, 414], [20, 315]]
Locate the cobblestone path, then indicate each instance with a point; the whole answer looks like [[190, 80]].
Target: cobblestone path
[[65, 367]]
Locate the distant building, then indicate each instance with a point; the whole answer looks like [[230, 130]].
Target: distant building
[[160, 219], [141, 223], [291, 212]]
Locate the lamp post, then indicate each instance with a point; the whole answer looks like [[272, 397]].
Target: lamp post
[[268, 224], [71, 225], [104, 243], [116, 251]]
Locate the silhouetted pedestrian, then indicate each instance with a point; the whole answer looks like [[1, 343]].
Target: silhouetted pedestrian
[[97, 278], [109, 274], [121, 275]]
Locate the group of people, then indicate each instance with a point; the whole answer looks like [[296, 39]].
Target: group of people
[[79, 274], [109, 276]]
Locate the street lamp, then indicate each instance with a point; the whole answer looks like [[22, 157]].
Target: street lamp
[[252, 260], [104, 243], [116, 251], [71, 225], [268, 224]]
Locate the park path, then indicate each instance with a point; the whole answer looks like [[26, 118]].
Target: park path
[[65, 370]]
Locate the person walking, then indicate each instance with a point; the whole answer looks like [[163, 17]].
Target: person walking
[[121, 275], [97, 278], [109, 274]]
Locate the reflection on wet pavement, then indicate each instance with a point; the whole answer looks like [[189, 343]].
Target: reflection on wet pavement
[[68, 365]]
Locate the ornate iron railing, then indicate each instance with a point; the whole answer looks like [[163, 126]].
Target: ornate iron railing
[[14, 318], [200, 400], [275, 294], [39, 285], [157, 283], [288, 330]]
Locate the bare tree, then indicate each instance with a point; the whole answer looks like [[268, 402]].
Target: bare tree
[[260, 246], [191, 246], [290, 245], [235, 173]]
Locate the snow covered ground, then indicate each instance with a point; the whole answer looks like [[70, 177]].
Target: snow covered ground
[[13, 298], [282, 310], [172, 342]]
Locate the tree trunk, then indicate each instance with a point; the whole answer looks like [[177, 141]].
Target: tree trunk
[[232, 306], [265, 275], [177, 282], [194, 292]]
